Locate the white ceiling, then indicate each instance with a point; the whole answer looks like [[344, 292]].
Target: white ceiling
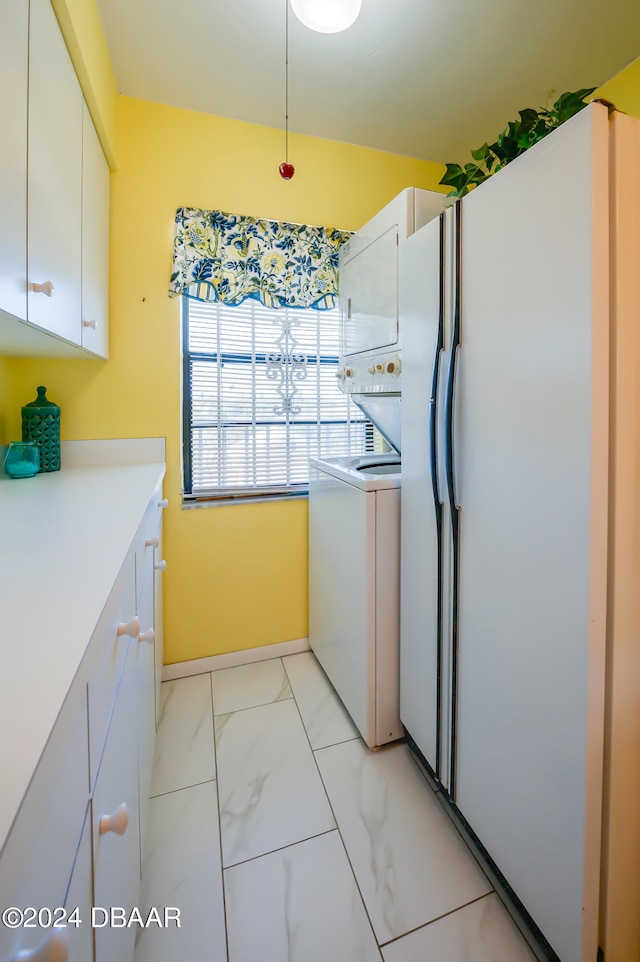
[[425, 78]]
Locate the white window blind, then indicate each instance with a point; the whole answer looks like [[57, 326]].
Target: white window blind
[[260, 398]]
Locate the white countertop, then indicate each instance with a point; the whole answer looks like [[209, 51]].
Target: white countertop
[[63, 539]]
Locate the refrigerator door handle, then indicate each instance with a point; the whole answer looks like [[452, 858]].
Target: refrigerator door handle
[[432, 437], [449, 416], [454, 513], [435, 381]]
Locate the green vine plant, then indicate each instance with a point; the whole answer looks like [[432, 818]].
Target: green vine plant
[[517, 137]]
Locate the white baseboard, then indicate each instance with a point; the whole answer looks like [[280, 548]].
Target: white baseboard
[[199, 666]]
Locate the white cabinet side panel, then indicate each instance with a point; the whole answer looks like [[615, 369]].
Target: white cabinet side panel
[[620, 933], [420, 307], [530, 389], [387, 589], [14, 27], [95, 241], [341, 593]]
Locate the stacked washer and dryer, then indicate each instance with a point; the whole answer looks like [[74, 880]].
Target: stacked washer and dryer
[[354, 502]]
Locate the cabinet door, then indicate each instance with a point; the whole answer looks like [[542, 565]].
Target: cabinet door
[[158, 619], [95, 241], [38, 857], [54, 173], [116, 845], [145, 682], [14, 29], [106, 657], [79, 897]]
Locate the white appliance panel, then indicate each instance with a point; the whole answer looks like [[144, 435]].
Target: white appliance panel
[[354, 586], [341, 600], [387, 590], [370, 307], [525, 405], [420, 548]]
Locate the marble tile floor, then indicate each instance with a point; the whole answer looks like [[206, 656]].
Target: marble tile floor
[[282, 838]]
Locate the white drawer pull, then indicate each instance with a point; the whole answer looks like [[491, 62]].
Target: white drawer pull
[[148, 636], [53, 949], [46, 288], [160, 565], [152, 542], [92, 324], [117, 822], [164, 503], [131, 628]]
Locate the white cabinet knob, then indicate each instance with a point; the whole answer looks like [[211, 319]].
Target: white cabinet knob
[[348, 372], [46, 288], [340, 374], [371, 369], [152, 542], [54, 948], [164, 503], [160, 565], [92, 324], [131, 628], [117, 822], [147, 636]]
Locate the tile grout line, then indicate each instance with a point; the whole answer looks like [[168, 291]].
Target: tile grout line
[[445, 915], [282, 848], [366, 911], [215, 765], [262, 704], [183, 788]]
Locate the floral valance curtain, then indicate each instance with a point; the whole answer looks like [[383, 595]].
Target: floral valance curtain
[[228, 258]]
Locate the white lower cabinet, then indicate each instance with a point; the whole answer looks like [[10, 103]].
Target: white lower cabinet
[[145, 668], [39, 854], [77, 841], [78, 902], [116, 824]]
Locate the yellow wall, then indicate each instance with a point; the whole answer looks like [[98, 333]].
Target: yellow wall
[[6, 403], [236, 575], [623, 90]]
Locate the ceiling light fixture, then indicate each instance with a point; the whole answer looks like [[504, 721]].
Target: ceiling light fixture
[[326, 16]]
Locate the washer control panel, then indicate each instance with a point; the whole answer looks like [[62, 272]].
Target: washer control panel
[[371, 374]]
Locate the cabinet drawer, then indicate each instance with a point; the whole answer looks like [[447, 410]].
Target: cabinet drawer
[[147, 531], [116, 853], [38, 857], [106, 657]]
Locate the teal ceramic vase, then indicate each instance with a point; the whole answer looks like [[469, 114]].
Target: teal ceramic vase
[[41, 423]]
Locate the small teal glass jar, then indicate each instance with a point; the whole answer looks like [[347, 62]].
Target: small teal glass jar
[[41, 423], [22, 459]]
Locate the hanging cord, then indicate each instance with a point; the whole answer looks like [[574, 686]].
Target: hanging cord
[[286, 83]]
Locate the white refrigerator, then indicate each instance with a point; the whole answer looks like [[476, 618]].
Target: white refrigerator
[[520, 530]]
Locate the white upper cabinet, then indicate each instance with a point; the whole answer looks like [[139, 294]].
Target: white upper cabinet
[[95, 241], [54, 180], [14, 37], [54, 196]]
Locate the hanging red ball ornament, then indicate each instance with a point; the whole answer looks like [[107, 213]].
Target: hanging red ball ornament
[[286, 171]]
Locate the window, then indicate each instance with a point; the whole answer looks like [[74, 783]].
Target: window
[[260, 398]]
